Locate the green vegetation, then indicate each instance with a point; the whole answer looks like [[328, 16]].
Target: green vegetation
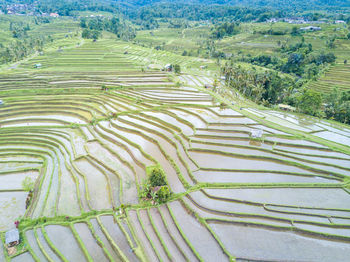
[[125, 159], [338, 107], [28, 184], [157, 177], [94, 26], [225, 29], [177, 69], [310, 102], [156, 187], [266, 87]]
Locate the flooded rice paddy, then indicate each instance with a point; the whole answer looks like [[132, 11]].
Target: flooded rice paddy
[[282, 196]]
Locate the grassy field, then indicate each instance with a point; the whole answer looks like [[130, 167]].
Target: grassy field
[[88, 150]]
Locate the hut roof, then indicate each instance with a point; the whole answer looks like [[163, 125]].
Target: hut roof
[[12, 236], [286, 107], [257, 133]]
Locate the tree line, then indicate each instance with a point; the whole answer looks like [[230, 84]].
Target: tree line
[[93, 27], [19, 49], [269, 88]]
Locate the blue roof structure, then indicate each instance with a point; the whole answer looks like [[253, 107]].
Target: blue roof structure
[[11, 236]]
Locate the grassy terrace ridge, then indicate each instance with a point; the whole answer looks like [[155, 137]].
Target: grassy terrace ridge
[[89, 153]]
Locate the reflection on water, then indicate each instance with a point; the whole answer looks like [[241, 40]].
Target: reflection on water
[[12, 206]]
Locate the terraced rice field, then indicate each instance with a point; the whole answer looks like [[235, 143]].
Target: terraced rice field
[[284, 196], [338, 76]]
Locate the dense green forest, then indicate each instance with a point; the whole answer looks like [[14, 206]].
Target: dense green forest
[[93, 27], [193, 10]]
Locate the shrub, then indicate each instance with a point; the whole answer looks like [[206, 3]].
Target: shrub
[[157, 177], [163, 194], [155, 188], [177, 69], [310, 102], [28, 184]]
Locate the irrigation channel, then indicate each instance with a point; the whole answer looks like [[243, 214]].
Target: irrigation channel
[[282, 196]]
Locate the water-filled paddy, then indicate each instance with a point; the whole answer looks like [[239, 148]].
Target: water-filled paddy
[[344, 140], [118, 237], [140, 234], [311, 197], [90, 243], [176, 235], [175, 253], [150, 231], [266, 244], [199, 236], [63, 239], [34, 245], [97, 185], [232, 206], [25, 257], [207, 160], [12, 206], [15, 180], [46, 246], [258, 177], [104, 239]]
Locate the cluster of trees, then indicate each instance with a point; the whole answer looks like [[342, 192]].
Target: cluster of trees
[[156, 187], [242, 10], [338, 106], [263, 87], [20, 49], [68, 7], [178, 23], [41, 20], [91, 34], [201, 12], [225, 29], [270, 88], [299, 59], [19, 29], [148, 24], [335, 106], [271, 31], [94, 26]]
